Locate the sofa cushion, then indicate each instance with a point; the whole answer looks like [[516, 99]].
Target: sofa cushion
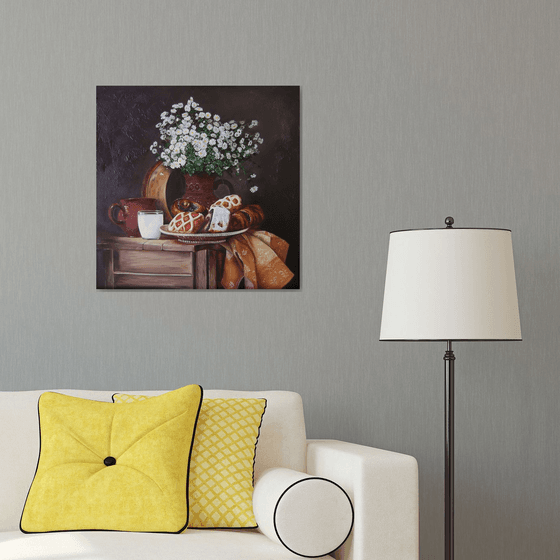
[[107, 467], [227, 544], [282, 440], [222, 462], [311, 516]]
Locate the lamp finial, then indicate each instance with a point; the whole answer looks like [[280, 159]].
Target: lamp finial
[[449, 221]]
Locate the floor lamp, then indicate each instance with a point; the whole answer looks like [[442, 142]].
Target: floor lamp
[[450, 284]]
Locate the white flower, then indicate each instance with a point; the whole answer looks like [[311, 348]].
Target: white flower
[[253, 123], [254, 189], [188, 124]]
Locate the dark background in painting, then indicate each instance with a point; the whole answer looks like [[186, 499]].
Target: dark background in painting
[[126, 119]]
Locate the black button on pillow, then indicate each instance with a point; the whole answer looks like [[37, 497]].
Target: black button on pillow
[[109, 461]]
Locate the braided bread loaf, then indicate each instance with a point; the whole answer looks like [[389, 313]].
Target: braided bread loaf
[[232, 202], [186, 222]]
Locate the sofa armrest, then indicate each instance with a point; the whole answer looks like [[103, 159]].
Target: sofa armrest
[[383, 487]]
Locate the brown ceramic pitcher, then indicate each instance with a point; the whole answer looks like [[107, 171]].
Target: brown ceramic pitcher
[[127, 213]]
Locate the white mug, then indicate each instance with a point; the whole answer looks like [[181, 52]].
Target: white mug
[[149, 222]]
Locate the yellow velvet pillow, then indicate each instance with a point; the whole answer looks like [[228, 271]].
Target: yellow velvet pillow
[[222, 462], [116, 468]]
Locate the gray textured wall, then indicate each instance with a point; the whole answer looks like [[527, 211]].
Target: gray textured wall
[[411, 111]]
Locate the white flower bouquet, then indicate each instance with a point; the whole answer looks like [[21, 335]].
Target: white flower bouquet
[[195, 142]]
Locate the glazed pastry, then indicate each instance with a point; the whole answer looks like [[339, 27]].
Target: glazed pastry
[[217, 220], [186, 222], [186, 205], [232, 202], [251, 216]]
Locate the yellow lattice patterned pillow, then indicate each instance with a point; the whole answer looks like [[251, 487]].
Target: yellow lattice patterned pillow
[[222, 461]]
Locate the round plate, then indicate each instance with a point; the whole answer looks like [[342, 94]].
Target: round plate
[[194, 238]]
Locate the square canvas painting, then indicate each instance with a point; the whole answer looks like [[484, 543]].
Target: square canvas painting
[[198, 187]]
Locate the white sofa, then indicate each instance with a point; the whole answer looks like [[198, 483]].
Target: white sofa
[[382, 485]]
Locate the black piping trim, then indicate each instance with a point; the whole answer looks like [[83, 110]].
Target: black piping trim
[[36, 468], [291, 486], [450, 229], [221, 528], [452, 340], [113, 530], [190, 456], [257, 440]]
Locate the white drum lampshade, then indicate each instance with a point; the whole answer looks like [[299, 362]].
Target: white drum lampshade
[[450, 284]]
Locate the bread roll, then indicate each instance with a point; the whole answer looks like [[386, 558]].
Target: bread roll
[[186, 205], [251, 216]]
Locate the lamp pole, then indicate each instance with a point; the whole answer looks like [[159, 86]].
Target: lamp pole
[[449, 359]]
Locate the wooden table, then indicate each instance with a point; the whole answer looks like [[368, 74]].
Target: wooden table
[[133, 262]]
